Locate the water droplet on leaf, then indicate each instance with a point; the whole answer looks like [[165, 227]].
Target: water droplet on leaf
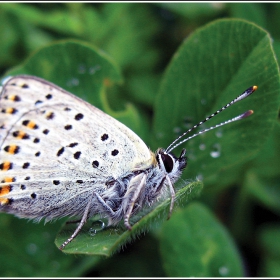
[[95, 227], [216, 151]]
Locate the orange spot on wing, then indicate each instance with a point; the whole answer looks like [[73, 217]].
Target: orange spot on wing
[[21, 135], [31, 124], [4, 201], [5, 166], [10, 110], [9, 179], [13, 98], [13, 149], [5, 190]]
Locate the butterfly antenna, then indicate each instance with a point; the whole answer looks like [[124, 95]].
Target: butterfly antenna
[[245, 94]]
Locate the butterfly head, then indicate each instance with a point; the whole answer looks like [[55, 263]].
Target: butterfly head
[[171, 164]]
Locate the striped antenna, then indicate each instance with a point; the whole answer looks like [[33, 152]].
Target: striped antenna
[[245, 94]]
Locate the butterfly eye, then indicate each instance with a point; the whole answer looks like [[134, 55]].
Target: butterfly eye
[[168, 162]]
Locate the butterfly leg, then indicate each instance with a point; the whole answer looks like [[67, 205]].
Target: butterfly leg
[[105, 207], [172, 199], [82, 222], [135, 187]]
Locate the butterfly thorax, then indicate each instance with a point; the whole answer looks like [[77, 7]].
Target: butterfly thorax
[[142, 187]]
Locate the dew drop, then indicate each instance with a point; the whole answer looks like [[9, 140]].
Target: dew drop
[[92, 231], [199, 177], [202, 147], [81, 69], [177, 130], [216, 151], [96, 226], [73, 82], [31, 249], [94, 69], [219, 133], [203, 101], [223, 270]]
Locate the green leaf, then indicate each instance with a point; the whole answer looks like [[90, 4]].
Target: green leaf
[[10, 36], [213, 66], [194, 244], [264, 190], [267, 163], [128, 35], [83, 74], [57, 20], [262, 179], [105, 242], [142, 256], [269, 240], [27, 250], [260, 184], [273, 20], [143, 88], [253, 12], [194, 11]]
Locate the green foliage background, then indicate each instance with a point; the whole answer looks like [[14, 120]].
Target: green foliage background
[[160, 68]]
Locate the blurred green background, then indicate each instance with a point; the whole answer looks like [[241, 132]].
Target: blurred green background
[[156, 54]]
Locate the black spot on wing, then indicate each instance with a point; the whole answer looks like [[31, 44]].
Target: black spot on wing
[[33, 195], [46, 131], [68, 127], [114, 152], [60, 151], [104, 137], [72, 145], [77, 155], [25, 165], [79, 116]]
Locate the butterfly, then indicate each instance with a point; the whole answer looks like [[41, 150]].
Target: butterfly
[[60, 156]]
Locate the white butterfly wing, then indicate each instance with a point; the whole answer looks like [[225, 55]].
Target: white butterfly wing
[[56, 149]]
